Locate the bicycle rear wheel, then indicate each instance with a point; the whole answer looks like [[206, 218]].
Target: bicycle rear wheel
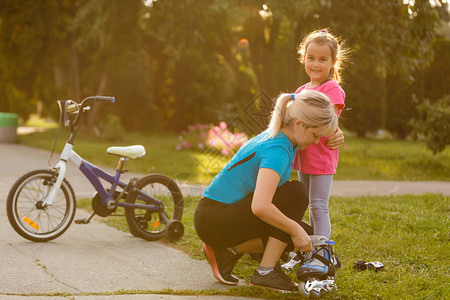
[[149, 225], [26, 212]]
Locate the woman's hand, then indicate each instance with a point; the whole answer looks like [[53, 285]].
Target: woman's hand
[[301, 240], [336, 140]]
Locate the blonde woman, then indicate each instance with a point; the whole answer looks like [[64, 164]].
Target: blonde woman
[[251, 206]]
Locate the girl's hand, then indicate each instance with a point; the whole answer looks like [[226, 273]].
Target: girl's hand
[[302, 241], [336, 140]]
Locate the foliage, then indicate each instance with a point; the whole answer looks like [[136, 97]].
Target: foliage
[[32, 35], [435, 81], [111, 129], [195, 137], [390, 51], [433, 125], [228, 143], [173, 63]]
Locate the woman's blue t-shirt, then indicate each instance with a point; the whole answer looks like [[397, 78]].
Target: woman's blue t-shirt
[[238, 178]]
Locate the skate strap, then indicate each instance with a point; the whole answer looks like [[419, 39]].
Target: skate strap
[[322, 241], [322, 259]]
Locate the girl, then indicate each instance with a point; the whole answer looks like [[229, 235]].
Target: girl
[[251, 206], [323, 55]]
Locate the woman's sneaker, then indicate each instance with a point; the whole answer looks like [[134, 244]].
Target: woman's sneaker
[[276, 279], [222, 263]]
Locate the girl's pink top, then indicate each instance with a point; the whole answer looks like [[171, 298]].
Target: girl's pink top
[[320, 159]]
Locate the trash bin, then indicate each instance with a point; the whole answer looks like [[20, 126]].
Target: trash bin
[[8, 127]]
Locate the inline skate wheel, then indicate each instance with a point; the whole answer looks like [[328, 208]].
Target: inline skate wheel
[[314, 294], [175, 230], [302, 291]]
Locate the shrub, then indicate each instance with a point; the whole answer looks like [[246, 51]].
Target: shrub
[[225, 141], [433, 124], [199, 136]]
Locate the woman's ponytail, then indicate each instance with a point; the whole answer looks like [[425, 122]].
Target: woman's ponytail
[[278, 114]]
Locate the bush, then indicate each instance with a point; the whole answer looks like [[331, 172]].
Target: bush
[[225, 141], [199, 136], [433, 124]]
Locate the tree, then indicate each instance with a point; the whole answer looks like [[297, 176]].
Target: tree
[[34, 51], [390, 40], [171, 63], [113, 60]]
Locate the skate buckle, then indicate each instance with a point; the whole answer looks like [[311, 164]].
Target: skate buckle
[[318, 285], [290, 264]]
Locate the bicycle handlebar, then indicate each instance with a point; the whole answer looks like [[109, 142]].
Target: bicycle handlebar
[[78, 109], [100, 99], [104, 99]]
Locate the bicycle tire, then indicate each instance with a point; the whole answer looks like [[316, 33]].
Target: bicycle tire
[[147, 224], [35, 223]]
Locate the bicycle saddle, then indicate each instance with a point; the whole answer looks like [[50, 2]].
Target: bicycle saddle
[[136, 151]]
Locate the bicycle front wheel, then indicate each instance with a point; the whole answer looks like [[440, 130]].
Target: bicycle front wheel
[[26, 212], [149, 225]]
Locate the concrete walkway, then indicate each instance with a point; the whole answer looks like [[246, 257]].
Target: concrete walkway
[[96, 258]]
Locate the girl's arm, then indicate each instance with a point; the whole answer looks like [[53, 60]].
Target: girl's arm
[[263, 208], [337, 139]]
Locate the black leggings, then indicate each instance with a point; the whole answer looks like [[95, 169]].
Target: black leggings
[[223, 225]]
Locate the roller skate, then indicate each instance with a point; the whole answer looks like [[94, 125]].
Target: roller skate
[[295, 259], [316, 272]]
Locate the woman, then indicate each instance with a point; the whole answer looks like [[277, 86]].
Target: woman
[[251, 206]]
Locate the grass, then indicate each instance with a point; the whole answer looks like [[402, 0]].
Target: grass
[[408, 234], [360, 159], [368, 159]]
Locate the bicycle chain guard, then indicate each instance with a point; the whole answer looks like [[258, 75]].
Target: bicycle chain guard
[[99, 208]]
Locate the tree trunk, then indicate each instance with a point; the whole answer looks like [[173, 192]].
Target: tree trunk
[[91, 127], [74, 81]]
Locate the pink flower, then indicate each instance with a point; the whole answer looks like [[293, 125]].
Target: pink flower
[[186, 145], [223, 125]]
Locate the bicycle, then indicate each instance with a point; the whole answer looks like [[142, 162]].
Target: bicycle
[[41, 204]]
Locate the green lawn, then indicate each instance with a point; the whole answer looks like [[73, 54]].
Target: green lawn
[[359, 158], [408, 234]]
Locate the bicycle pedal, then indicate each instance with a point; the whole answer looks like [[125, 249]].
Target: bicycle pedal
[[82, 221]]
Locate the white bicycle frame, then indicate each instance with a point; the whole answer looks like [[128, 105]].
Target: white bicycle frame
[[93, 174], [66, 155]]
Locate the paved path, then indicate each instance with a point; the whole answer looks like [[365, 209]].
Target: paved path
[[96, 258]]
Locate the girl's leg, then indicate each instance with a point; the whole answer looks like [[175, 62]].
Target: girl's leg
[[304, 178], [319, 191]]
